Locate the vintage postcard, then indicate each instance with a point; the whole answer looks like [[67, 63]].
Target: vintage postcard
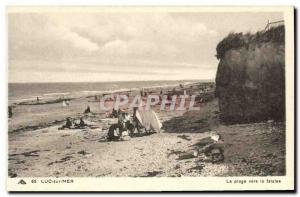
[[150, 98]]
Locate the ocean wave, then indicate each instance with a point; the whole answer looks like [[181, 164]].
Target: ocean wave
[[84, 93], [56, 93]]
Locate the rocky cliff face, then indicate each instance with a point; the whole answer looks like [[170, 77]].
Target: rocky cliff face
[[250, 81]]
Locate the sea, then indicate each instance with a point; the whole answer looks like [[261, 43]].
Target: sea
[[20, 92]]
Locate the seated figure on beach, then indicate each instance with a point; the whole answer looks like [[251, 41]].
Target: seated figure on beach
[[87, 110], [123, 118], [81, 124], [68, 124], [114, 113], [123, 129]]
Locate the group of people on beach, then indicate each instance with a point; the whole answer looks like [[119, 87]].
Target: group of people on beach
[[141, 120], [73, 125]]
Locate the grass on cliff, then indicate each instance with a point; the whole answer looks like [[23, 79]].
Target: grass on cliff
[[238, 40]]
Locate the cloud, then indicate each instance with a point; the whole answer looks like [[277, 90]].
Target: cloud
[[112, 42], [124, 35], [65, 35]]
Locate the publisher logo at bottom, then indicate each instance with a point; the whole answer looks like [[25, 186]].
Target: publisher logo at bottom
[[22, 182]]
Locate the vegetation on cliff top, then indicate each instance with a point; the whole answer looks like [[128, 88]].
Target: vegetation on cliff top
[[238, 40]]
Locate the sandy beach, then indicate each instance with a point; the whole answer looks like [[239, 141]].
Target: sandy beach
[[37, 148], [176, 98]]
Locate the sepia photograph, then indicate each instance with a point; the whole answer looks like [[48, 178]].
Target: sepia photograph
[[150, 93]]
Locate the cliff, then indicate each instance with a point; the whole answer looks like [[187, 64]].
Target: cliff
[[250, 81]]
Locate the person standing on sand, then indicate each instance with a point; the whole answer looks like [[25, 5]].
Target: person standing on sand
[[142, 92], [10, 112]]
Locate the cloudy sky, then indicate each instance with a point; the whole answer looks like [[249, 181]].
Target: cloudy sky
[[75, 47]]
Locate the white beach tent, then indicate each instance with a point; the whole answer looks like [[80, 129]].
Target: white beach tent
[[149, 119]]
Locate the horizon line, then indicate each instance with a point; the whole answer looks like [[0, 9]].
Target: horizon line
[[115, 81]]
